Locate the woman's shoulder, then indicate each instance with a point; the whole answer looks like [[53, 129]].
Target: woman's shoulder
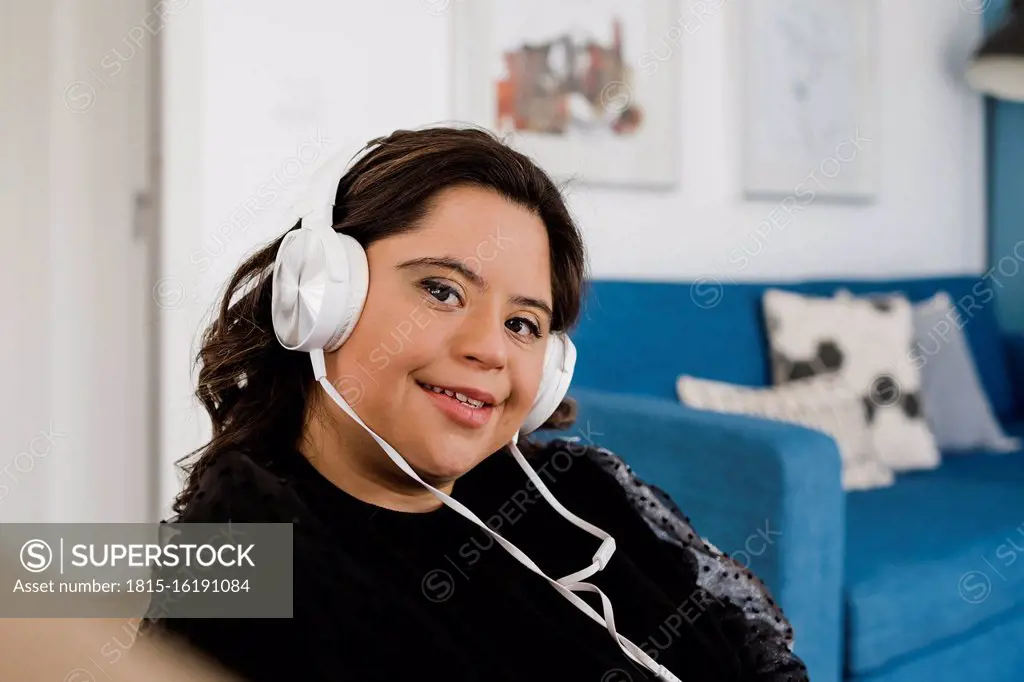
[[601, 483], [608, 481], [236, 486], [578, 467]]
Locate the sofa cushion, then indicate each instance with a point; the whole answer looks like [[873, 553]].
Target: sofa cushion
[[637, 337], [989, 653], [933, 556]]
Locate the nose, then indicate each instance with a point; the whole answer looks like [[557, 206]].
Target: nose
[[481, 340]]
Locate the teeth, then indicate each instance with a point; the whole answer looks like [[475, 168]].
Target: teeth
[[458, 396]]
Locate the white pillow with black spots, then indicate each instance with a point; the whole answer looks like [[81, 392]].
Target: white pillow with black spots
[[866, 343], [824, 403]]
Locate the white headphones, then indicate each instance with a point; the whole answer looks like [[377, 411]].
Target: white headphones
[[320, 281]]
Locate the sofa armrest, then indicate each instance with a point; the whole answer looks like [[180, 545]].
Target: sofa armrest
[[1013, 345], [767, 493]]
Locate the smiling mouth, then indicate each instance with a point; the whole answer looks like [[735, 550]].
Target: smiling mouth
[[464, 399]]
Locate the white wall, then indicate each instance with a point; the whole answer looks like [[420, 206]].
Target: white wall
[[249, 83], [25, 402], [75, 443]]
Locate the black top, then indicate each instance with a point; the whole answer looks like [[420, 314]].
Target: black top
[[387, 595]]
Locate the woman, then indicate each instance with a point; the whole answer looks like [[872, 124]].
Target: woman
[[382, 449]]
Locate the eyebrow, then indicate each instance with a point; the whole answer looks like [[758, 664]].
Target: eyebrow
[[473, 277]]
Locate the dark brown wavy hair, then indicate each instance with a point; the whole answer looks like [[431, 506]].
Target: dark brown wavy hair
[[256, 391]]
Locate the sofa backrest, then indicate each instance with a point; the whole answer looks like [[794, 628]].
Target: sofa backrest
[[638, 337]]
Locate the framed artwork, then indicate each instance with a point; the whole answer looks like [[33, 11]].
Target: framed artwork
[[577, 85], [809, 98]]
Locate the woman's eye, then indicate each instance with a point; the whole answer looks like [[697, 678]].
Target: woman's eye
[[519, 324], [442, 292]]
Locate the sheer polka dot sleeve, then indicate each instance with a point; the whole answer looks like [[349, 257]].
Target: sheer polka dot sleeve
[[750, 617]]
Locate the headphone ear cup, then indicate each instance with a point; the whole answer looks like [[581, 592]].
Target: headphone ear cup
[[319, 288], [559, 363]]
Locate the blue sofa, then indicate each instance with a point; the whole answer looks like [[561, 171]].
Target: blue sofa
[[920, 581]]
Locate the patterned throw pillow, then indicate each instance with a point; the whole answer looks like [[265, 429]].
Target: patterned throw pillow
[[867, 343], [824, 403], [952, 397]]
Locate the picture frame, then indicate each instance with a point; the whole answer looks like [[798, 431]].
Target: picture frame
[[589, 89], [809, 99]]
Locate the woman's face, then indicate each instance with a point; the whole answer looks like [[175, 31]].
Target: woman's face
[[461, 304]]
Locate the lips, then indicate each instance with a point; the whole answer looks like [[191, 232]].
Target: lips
[[463, 409], [470, 396]]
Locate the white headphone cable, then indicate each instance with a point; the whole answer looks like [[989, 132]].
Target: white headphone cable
[[567, 585]]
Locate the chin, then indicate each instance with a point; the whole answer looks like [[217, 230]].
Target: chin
[[445, 456], [442, 467]]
